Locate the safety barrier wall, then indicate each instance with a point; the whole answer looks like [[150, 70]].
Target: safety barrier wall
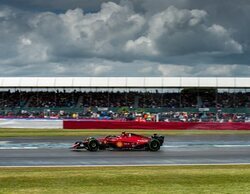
[[78, 124], [107, 124], [31, 123]]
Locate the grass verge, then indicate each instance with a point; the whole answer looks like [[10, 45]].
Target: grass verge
[[4, 133], [139, 180]]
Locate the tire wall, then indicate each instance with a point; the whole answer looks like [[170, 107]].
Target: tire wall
[[78, 124]]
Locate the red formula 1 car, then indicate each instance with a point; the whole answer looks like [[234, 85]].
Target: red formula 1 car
[[125, 141]]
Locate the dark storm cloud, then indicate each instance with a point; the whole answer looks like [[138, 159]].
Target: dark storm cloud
[[233, 15], [139, 37], [56, 5]]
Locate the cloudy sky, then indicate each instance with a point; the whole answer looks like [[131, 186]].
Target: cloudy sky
[[125, 38]]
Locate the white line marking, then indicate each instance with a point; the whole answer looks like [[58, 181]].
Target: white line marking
[[18, 148], [4, 142], [225, 146], [124, 165]]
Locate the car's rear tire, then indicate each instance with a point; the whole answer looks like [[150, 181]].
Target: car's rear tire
[[154, 145], [93, 145]]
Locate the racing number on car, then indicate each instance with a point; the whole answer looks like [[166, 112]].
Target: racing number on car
[[119, 144]]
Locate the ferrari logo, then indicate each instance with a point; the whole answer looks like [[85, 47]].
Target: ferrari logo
[[119, 144]]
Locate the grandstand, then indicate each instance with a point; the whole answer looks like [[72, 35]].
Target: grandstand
[[175, 98]]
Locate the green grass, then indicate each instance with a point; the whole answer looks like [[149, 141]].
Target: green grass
[[139, 180], [67, 133]]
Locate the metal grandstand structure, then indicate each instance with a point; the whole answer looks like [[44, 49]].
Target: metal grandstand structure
[[124, 82]]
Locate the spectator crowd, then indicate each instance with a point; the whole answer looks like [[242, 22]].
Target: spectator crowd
[[47, 99], [37, 104]]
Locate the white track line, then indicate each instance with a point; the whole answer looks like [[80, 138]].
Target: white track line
[[18, 148], [4, 142], [128, 165]]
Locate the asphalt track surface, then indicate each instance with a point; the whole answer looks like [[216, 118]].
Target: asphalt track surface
[[177, 150]]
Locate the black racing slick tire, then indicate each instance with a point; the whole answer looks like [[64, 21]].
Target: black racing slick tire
[[154, 145], [93, 145]]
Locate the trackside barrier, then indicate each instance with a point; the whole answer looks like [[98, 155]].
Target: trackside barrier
[[31, 123], [97, 124], [78, 124]]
